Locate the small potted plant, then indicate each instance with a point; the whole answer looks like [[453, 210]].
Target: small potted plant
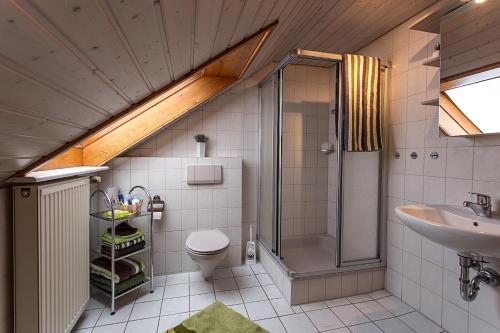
[[201, 143]]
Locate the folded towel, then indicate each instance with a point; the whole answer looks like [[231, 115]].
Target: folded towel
[[123, 245], [105, 284], [362, 103], [106, 249], [124, 268], [119, 214], [106, 237], [124, 229]]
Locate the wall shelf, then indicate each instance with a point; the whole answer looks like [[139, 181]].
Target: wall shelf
[[432, 21], [432, 62], [431, 102]]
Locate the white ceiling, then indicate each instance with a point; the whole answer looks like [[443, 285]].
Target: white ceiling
[[66, 66]]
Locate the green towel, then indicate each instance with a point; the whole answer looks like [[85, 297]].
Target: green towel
[[217, 318], [104, 284], [119, 214], [106, 237]]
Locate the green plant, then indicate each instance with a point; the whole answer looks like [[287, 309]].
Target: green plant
[[201, 138]]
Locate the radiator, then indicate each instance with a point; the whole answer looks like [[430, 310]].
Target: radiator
[[51, 242]]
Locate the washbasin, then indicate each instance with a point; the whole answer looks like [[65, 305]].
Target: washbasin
[[457, 228]]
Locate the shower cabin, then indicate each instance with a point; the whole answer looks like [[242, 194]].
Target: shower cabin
[[321, 208]]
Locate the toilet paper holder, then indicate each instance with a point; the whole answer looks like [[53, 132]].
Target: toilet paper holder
[[158, 204]]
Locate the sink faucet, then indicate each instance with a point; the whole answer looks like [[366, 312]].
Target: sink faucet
[[482, 206]]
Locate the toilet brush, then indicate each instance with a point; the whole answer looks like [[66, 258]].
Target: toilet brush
[[251, 254]]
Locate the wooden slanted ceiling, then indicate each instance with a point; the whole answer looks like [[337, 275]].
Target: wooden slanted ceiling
[[158, 110], [68, 66]]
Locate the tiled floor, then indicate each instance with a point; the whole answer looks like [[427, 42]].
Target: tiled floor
[[251, 292]]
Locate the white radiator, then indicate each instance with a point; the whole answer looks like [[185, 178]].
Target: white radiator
[[51, 241]]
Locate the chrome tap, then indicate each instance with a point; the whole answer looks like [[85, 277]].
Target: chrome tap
[[482, 206]]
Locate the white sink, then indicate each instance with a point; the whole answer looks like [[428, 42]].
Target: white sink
[[454, 227]]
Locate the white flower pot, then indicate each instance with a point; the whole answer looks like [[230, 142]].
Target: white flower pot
[[201, 149]]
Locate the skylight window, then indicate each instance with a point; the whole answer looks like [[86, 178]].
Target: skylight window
[[480, 103]]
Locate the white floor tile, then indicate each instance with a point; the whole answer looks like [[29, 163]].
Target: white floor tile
[[282, 307], [373, 310], [365, 328], [253, 294], [167, 322], [419, 323], [264, 279], [258, 269], [325, 319], [298, 323], [247, 281], [144, 326], [395, 305], [113, 328], [272, 291], [195, 276], [273, 325], [198, 302], [359, 298], [98, 301], [121, 315], [88, 318], [297, 309], [159, 280], [313, 306], [174, 305], [225, 284], [177, 278], [240, 308], [337, 302], [231, 297], [83, 330], [338, 330], [350, 315], [260, 310], [145, 310], [177, 290], [379, 294], [200, 287], [145, 296], [393, 325], [221, 273], [242, 270]]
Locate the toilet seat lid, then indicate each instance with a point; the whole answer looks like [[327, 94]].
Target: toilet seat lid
[[207, 241]]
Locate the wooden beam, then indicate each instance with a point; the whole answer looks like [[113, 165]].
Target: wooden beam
[[143, 119], [72, 157], [147, 123]]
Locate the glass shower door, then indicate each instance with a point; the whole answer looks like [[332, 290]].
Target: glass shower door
[[267, 218]]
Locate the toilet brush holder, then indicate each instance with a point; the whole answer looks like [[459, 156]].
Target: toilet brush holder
[[250, 253]]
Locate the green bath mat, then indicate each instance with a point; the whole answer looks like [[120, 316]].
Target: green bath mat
[[217, 318]]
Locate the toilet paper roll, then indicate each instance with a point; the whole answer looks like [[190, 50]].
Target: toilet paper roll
[[156, 215]]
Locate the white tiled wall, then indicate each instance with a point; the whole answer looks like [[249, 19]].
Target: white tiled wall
[[305, 169], [187, 207], [231, 122], [424, 274]]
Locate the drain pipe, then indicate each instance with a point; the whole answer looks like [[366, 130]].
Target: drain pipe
[[470, 288]]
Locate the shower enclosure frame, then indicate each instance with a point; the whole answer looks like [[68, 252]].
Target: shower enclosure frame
[[379, 260]]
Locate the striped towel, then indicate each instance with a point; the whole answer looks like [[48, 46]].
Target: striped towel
[[124, 268], [362, 103]]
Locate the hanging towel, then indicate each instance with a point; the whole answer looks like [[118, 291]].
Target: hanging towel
[[362, 103]]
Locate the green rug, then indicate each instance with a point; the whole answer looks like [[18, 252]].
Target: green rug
[[217, 318]]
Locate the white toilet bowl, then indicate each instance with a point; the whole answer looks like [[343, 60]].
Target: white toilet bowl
[[207, 248]]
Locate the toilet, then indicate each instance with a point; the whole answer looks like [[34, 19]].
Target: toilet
[[207, 248]]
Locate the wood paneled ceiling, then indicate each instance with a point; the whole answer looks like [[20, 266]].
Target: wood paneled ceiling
[[67, 66]]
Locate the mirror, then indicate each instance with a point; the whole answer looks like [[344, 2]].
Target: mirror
[[469, 99]]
